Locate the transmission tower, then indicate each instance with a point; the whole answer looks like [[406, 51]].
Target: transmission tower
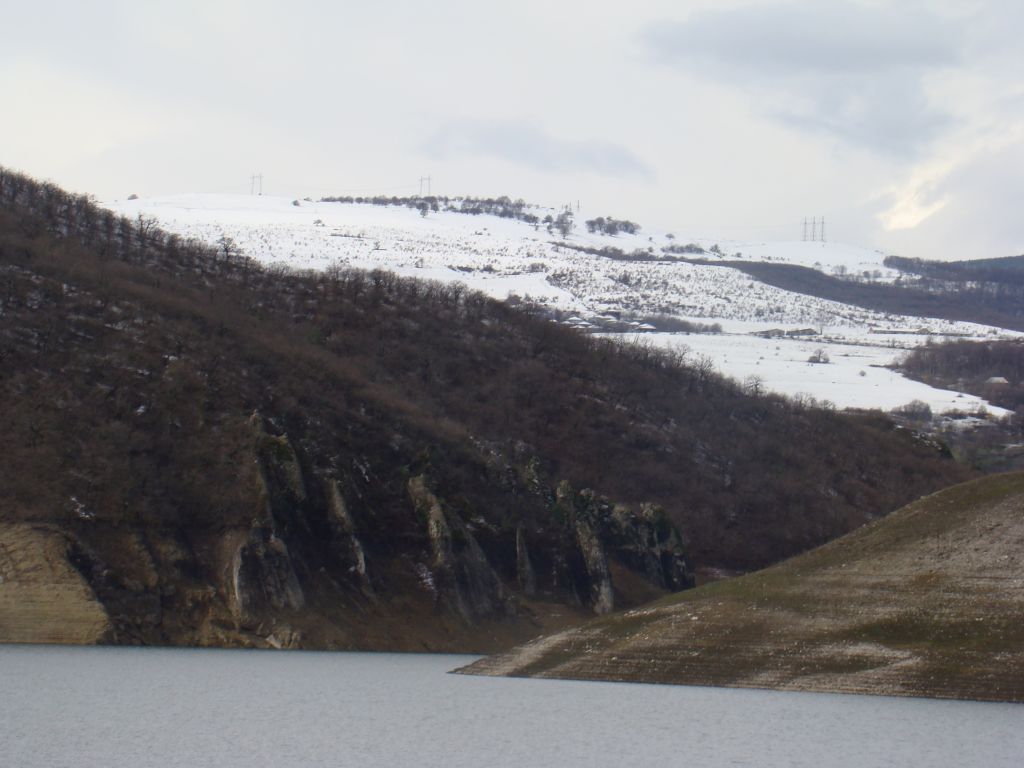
[[424, 179], [817, 230], [256, 177]]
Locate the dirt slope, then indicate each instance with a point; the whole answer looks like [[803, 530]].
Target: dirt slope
[[43, 599], [926, 602]]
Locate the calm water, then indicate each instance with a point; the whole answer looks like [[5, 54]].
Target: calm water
[[144, 708]]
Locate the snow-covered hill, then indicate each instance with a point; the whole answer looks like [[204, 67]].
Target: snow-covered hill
[[507, 257]]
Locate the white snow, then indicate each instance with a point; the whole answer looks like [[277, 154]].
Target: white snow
[[854, 377], [506, 257]]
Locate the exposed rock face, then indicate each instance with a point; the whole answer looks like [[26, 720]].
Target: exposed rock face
[[261, 573], [601, 599], [262, 577], [648, 543], [462, 573], [644, 541], [282, 485], [347, 546], [525, 576], [339, 552]]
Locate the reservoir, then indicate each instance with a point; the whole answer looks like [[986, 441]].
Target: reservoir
[[145, 707]]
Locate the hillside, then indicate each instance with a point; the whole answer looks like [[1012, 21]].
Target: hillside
[[772, 304], [229, 454], [927, 602]]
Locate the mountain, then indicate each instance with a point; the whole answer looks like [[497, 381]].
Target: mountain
[[926, 602], [198, 449]]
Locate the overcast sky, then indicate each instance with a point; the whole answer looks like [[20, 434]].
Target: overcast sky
[[901, 122]]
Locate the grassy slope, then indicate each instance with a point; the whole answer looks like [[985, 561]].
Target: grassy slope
[[927, 602]]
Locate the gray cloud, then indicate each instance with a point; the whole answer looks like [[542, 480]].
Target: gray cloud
[[527, 145], [852, 72]]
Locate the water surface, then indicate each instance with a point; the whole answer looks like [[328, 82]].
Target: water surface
[[144, 707]]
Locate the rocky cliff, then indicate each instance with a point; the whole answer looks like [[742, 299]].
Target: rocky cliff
[[324, 560]]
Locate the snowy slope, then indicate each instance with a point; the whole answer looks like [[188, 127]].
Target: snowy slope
[[506, 257]]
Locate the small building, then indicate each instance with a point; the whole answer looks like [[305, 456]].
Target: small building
[[996, 381]]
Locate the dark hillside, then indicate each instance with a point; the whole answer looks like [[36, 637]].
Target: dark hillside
[[1006, 269], [349, 459], [990, 304]]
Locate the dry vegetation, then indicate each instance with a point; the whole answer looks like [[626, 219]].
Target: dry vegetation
[[131, 362], [929, 602]]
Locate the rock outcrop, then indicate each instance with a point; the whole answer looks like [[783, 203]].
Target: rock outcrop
[[345, 543], [643, 541], [525, 576], [463, 575], [325, 556], [263, 578]]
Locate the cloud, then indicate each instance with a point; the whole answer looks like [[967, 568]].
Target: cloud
[[856, 73], [976, 202], [527, 145]]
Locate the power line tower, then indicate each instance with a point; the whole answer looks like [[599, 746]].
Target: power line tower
[[426, 179], [817, 230], [252, 183]]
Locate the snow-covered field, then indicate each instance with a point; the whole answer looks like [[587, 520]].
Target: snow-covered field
[[506, 257], [854, 377]]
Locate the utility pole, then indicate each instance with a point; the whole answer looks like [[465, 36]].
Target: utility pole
[[252, 183], [426, 179], [814, 229], [823, 229], [805, 229]]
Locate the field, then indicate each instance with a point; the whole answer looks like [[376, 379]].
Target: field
[[508, 258]]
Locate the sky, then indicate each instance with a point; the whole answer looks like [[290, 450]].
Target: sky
[[899, 122]]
